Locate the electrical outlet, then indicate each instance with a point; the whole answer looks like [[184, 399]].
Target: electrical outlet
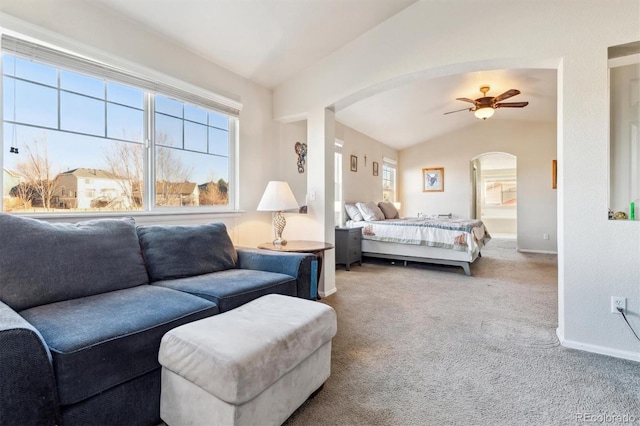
[[618, 302], [545, 236]]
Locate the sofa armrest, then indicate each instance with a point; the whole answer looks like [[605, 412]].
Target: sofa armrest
[[27, 383], [301, 266]]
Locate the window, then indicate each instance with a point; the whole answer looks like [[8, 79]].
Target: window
[[88, 138], [389, 180]]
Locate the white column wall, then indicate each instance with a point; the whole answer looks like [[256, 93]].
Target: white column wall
[[321, 135]]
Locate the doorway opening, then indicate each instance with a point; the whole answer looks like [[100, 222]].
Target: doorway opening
[[496, 193]]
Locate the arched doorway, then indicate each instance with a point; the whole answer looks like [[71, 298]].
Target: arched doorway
[[496, 193]]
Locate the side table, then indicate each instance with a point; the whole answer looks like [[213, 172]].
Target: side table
[[316, 248], [348, 246]]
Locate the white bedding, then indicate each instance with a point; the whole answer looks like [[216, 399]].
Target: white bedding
[[465, 235]]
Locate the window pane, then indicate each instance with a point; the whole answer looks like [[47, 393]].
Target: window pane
[[65, 172], [185, 178], [33, 104], [125, 95], [125, 123], [168, 106], [195, 137], [82, 84], [218, 142], [196, 114], [168, 131], [81, 114], [28, 70], [218, 120]]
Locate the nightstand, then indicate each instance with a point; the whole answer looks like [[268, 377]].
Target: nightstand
[[348, 246]]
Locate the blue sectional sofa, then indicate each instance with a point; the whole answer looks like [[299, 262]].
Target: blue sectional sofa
[[83, 308]]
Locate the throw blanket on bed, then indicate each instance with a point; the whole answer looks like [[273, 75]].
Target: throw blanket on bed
[[467, 235]]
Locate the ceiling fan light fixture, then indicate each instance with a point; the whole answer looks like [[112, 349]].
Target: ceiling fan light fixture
[[484, 112]]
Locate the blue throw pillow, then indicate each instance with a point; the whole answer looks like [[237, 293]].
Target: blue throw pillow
[[178, 251]]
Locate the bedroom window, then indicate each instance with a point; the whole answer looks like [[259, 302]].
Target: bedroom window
[[80, 137], [389, 180]]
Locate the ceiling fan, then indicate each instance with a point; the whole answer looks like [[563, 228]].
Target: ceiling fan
[[485, 106]]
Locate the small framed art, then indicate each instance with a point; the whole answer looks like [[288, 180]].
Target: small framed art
[[375, 168], [433, 179], [354, 163], [554, 174]]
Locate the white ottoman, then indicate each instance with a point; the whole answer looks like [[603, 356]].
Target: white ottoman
[[253, 365]]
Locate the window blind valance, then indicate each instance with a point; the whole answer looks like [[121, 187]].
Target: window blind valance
[[30, 50]]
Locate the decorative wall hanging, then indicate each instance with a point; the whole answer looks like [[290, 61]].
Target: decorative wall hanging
[[375, 168], [301, 150], [433, 179], [554, 174], [354, 163]]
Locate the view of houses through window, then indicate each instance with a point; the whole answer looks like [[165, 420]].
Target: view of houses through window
[[75, 142]]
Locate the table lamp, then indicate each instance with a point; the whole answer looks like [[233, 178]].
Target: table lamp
[[276, 198]]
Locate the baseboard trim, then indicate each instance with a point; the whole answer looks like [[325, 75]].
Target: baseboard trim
[[328, 293], [536, 251], [601, 350]]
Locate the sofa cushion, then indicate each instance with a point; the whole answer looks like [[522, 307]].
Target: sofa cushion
[[234, 287], [42, 262], [100, 341], [176, 251]]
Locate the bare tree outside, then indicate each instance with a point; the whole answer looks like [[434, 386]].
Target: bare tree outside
[[214, 193], [126, 161], [172, 177], [38, 174]]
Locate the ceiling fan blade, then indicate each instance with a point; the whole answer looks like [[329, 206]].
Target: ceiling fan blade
[[458, 110], [506, 95], [466, 100], [512, 105]]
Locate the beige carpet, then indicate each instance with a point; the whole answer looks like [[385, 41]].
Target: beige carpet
[[427, 345]]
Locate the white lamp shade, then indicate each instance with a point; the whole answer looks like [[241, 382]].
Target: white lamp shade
[[484, 113], [277, 197]]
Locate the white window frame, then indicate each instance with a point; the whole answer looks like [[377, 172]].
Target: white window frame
[[82, 59], [389, 163]]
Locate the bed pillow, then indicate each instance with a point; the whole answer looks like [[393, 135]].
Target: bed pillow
[[370, 211], [353, 212], [389, 210]]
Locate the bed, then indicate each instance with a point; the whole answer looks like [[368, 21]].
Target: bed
[[439, 239]]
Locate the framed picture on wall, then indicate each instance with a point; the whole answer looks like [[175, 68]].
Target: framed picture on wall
[[354, 163], [375, 168], [433, 179], [554, 174]]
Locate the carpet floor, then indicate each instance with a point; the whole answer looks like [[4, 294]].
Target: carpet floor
[[427, 345]]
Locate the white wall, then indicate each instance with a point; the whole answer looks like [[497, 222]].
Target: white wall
[[362, 185], [534, 145], [597, 258], [91, 30], [357, 186]]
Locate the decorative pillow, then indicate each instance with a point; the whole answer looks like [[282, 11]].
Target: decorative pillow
[[370, 211], [178, 251], [43, 262], [389, 210], [353, 212]]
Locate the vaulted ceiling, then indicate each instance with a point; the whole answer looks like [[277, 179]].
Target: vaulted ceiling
[[269, 41]]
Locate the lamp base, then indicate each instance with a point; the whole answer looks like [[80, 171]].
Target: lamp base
[[279, 242], [279, 222]]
